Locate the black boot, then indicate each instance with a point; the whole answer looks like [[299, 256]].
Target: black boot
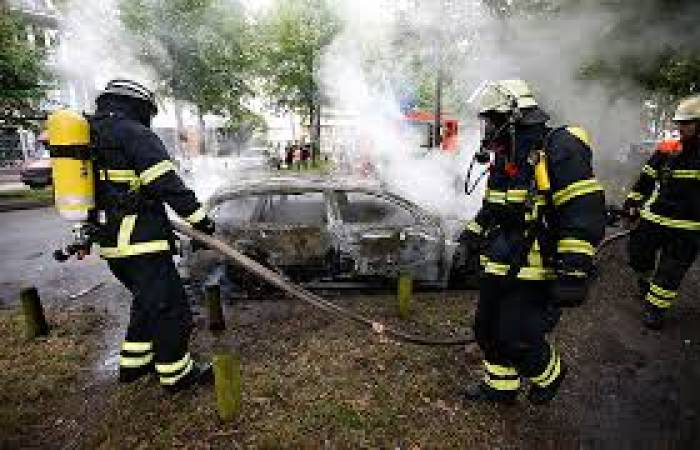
[[482, 392], [129, 375], [540, 395], [653, 317], [201, 373]]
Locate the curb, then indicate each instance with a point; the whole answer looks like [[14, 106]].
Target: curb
[[16, 205]]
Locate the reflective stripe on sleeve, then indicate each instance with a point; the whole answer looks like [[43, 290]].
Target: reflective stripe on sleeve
[[576, 189], [668, 222], [156, 170], [196, 216]]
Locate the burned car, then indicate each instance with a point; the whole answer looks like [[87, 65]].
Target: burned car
[[335, 233]]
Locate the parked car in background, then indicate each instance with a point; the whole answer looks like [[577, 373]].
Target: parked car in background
[[36, 172], [335, 233]]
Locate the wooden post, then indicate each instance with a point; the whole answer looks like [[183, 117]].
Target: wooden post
[[404, 292], [227, 384], [33, 313], [212, 295]]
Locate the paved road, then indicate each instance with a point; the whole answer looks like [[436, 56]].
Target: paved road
[[27, 241]]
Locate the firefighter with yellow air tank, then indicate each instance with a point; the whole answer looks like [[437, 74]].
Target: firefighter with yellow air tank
[[542, 218], [665, 199], [112, 176]]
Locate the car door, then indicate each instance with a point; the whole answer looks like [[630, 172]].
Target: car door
[[287, 231], [380, 235]]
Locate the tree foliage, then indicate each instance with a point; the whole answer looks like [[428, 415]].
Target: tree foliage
[[22, 73], [197, 47], [291, 38]]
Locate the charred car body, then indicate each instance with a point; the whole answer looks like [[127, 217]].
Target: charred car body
[[335, 233]]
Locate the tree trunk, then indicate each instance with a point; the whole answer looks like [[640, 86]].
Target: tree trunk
[[179, 131], [202, 133]]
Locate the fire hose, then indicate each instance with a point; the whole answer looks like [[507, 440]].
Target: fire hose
[[306, 296]]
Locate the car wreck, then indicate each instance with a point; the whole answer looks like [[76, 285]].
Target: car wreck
[[334, 233]]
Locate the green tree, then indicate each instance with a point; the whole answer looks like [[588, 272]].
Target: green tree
[[22, 72], [292, 36], [198, 49]]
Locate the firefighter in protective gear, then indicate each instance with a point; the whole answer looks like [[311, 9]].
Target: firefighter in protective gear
[[665, 198], [542, 218], [134, 178]]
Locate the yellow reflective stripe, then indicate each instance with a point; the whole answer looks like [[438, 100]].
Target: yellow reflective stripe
[[135, 249], [656, 301], [536, 274], [118, 175], [503, 385], [483, 260], [635, 196], [177, 366], [473, 226], [687, 174], [135, 361], [196, 216], [137, 346], [525, 273], [495, 268], [124, 247], [516, 195], [172, 379], [661, 292], [501, 371], [575, 246], [125, 230], [576, 189], [156, 170], [647, 169], [581, 134], [668, 222], [551, 372], [493, 196]]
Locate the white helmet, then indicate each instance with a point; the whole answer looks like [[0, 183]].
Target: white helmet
[[130, 88], [505, 96], [688, 109]]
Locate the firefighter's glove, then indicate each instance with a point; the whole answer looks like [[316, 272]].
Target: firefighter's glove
[[570, 288], [205, 226]]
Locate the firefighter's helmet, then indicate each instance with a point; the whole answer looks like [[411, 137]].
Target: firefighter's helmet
[[506, 97], [688, 109], [133, 89]]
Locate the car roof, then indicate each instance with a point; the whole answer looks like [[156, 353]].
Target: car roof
[[299, 184], [292, 184]]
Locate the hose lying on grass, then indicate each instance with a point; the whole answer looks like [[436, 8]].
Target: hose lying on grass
[[302, 294]]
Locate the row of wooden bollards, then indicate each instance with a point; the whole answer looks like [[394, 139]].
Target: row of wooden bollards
[[227, 364]]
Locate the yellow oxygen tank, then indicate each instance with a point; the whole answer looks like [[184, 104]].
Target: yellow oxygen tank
[[73, 178], [542, 173]]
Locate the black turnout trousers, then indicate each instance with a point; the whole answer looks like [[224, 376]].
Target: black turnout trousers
[[512, 320], [160, 312]]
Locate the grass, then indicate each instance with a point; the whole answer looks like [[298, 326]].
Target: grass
[[37, 375], [43, 194]]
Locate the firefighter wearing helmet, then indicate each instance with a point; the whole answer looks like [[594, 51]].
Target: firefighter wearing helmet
[[541, 220], [664, 243], [134, 179]]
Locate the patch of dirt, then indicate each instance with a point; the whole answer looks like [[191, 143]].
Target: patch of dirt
[[314, 381]]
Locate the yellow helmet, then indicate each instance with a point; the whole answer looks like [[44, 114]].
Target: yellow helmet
[[688, 109], [504, 96]]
